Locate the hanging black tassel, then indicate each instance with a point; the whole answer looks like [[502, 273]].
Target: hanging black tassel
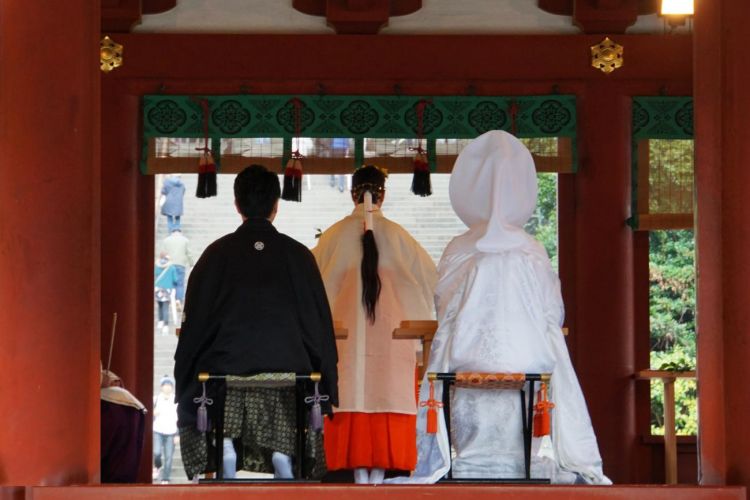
[[420, 182], [292, 180], [206, 177]]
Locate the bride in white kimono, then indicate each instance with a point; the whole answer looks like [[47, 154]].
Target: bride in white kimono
[[499, 309]]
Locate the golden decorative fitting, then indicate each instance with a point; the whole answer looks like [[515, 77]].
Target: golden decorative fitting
[[110, 54], [606, 55], [315, 376], [203, 376]]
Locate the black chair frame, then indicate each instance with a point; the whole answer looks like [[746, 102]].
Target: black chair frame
[[527, 418], [301, 424]]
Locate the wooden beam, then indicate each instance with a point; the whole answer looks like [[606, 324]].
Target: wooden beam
[[605, 16], [458, 60], [357, 17], [119, 16]]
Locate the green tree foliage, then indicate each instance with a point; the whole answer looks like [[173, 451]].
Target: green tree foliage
[[685, 395], [672, 316], [543, 224]]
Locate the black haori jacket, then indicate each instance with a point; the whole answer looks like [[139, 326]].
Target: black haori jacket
[[255, 303]]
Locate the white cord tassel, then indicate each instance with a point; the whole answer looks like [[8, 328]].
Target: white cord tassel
[[368, 210]]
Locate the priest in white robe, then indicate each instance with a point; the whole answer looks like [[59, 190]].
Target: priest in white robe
[[376, 275], [499, 309]]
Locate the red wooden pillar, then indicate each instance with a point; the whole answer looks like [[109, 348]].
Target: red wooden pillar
[[722, 105], [127, 249], [604, 278], [49, 242]]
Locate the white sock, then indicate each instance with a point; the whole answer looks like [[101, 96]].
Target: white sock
[[282, 466], [377, 476], [361, 476], [229, 466]]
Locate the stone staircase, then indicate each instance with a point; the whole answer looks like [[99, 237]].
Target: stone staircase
[[430, 220]]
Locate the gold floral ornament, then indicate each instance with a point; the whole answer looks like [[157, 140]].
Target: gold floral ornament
[[110, 54], [606, 55]]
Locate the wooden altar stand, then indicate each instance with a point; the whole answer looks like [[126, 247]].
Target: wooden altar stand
[[422, 330], [668, 378], [340, 332]]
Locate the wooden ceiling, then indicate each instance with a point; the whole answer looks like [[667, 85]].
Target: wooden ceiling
[[369, 16]]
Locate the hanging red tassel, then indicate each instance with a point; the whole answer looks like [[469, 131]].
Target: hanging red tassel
[[420, 182], [206, 165], [432, 405], [206, 176], [513, 109], [542, 417], [292, 180], [292, 190]]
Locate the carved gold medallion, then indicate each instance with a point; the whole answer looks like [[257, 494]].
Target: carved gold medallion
[[110, 54], [606, 55]]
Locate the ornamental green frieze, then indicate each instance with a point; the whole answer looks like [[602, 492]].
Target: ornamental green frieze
[[358, 117], [662, 117]]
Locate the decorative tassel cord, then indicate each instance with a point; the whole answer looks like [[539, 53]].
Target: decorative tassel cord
[[316, 415], [202, 417], [368, 210]]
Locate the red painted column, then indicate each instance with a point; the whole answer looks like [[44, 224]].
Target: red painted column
[[604, 277], [643, 466], [722, 105], [708, 235], [49, 242], [127, 252]]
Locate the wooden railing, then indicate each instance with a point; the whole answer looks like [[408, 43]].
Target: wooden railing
[[668, 378]]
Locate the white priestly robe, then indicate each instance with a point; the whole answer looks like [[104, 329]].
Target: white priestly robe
[[499, 309], [376, 373]]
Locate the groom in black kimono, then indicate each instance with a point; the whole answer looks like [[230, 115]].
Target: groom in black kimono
[[255, 303]]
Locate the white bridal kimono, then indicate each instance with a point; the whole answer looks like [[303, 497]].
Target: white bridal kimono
[[376, 373], [499, 309]]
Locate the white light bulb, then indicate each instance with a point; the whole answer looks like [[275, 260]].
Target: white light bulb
[[677, 7]]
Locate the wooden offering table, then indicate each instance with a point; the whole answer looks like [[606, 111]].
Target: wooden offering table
[[668, 378], [340, 332], [423, 330]]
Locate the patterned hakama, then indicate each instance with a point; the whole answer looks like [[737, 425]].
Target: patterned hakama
[[260, 420]]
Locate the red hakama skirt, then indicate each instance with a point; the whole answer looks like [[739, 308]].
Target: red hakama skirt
[[371, 440]]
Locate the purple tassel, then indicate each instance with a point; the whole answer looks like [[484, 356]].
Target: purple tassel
[[316, 415], [316, 418], [201, 419]]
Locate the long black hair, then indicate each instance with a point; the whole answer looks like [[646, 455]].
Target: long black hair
[[369, 178]]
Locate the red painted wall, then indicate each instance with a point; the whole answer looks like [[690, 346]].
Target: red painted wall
[[127, 250], [723, 239], [49, 242]]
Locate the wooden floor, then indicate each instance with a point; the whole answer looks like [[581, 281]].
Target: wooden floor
[[433, 492]]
